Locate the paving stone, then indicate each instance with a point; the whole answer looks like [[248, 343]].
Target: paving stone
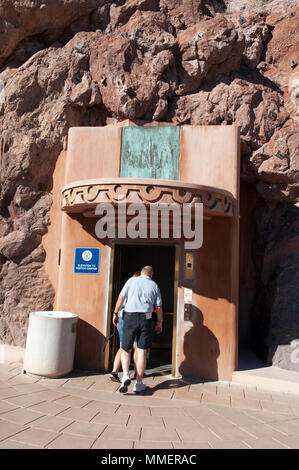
[[53, 382], [285, 398], [237, 393], [211, 398], [67, 441], [228, 444], [262, 431], [145, 421], [152, 445], [80, 383], [195, 433], [188, 396], [108, 418], [116, 444], [199, 411], [192, 445], [49, 408], [111, 386], [134, 410], [210, 387], [281, 408], [5, 406], [158, 433], [292, 442], [229, 432], [245, 403], [8, 429], [85, 429], [23, 389], [51, 423], [240, 419], [263, 443], [166, 411], [10, 444], [25, 400], [51, 395], [4, 367], [34, 436], [21, 416], [258, 395], [80, 414], [102, 406], [3, 385], [172, 421], [23, 381], [215, 421], [72, 401], [115, 431], [9, 392], [162, 393], [289, 427], [224, 384], [268, 417]]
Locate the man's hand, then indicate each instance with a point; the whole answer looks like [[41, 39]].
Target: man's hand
[[115, 319], [158, 327]]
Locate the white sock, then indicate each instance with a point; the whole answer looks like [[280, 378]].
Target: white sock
[[126, 375]]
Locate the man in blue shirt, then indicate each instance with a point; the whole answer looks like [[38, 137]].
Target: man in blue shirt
[[140, 295]]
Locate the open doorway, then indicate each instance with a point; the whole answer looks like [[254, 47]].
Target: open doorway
[[128, 259]]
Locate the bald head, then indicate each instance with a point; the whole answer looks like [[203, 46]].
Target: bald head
[[148, 271]]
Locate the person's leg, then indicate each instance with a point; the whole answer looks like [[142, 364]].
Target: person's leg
[[140, 364], [125, 361], [129, 332], [135, 355], [144, 342], [117, 361], [116, 366]]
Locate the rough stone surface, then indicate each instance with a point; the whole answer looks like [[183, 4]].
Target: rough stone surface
[[93, 62], [21, 20], [275, 318]]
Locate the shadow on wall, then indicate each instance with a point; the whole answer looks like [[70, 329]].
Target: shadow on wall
[[201, 349], [89, 345]]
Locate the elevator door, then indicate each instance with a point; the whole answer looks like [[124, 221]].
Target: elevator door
[[129, 259]]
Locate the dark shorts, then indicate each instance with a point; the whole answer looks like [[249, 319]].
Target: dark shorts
[[137, 325], [120, 329]]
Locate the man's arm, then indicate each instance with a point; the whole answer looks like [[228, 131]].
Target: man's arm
[[159, 327], [121, 299]]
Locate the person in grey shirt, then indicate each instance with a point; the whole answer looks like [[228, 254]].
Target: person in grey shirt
[[140, 294]]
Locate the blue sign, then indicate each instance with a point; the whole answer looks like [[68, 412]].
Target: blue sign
[[87, 260]]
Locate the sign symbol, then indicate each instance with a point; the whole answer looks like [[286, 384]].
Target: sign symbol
[[87, 255]]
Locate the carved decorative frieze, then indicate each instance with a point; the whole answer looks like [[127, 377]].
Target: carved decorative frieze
[[82, 196]]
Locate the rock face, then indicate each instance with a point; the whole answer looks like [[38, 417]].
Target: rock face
[[93, 62]]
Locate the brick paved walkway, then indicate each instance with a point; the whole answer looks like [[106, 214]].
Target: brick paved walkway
[[85, 411]]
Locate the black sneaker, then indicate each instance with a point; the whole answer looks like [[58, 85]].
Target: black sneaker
[[114, 377]]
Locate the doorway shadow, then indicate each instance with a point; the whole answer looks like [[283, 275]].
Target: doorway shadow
[[201, 350]]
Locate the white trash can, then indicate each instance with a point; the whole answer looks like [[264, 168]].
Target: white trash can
[[50, 344]]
